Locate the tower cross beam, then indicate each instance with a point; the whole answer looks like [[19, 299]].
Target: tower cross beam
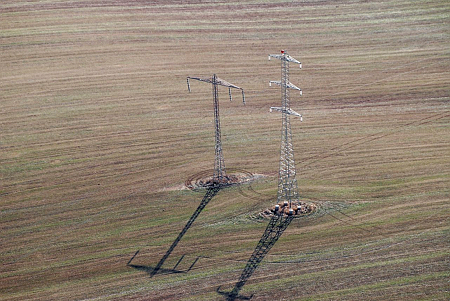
[[288, 85], [216, 81], [285, 57], [287, 111]]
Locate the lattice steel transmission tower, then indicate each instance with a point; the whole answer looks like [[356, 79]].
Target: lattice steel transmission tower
[[287, 183], [219, 177]]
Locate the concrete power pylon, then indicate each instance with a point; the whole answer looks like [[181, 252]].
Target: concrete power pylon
[[219, 177]]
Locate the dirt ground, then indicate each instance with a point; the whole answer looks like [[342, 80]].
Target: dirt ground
[[99, 132]]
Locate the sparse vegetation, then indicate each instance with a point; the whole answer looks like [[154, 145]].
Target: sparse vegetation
[[97, 128]]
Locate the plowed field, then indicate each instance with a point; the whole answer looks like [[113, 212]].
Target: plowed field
[[98, 134]]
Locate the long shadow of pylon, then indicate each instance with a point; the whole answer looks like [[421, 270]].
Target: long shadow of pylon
[[276, 227], [210, 193]]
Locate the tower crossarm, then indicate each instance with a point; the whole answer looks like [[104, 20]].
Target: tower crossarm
[[289, 85], [287, 111], [216, 81], [285, 57]]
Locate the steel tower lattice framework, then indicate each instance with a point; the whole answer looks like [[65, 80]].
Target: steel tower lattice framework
[[219, 176], [287, 183]]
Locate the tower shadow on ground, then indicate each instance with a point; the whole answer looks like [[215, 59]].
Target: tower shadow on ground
[[152, 271], [277, 225]]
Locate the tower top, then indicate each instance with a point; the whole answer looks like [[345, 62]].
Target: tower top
[[216, 81], [284, 56]]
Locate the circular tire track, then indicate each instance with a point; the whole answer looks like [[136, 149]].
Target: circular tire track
[[203, 179]]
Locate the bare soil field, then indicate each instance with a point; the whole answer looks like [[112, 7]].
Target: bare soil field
[[98, 134]]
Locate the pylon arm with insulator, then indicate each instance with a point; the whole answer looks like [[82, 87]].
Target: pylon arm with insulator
[[285, 57], [287, 111], [217, 81], [288, 85]]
